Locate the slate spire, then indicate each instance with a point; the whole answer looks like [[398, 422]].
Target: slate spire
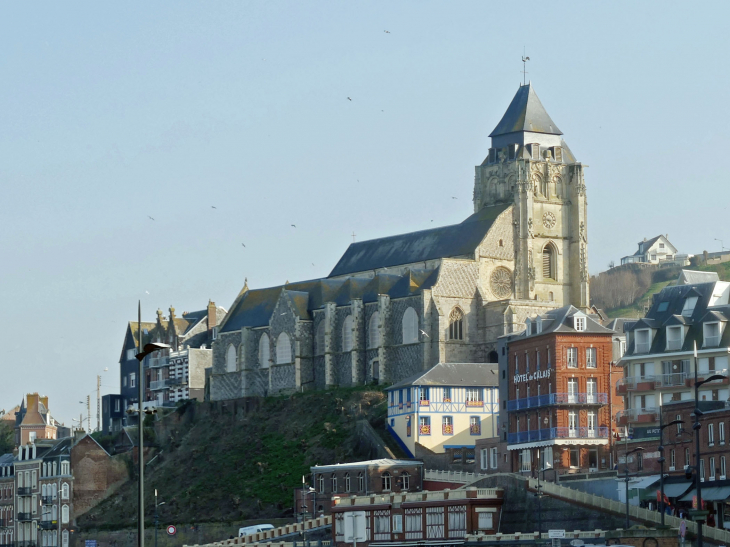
[[526, 113]]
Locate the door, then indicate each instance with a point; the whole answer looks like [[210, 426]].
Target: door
[[572, 424], [591, 424], [572, 390], [591, 388]]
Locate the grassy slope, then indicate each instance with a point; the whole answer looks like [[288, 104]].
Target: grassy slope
[[233, 468], [637, 308]]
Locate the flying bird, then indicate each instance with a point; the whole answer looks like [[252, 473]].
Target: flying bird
[[452, 197], [294, 225], [149, 217], [148, 292], [349, 99], [214, 207], [424, 333], [386, 31], [243, 244]]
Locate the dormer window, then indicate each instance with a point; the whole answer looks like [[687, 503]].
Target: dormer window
[[535, 151], [579, 323], [558, 154], [711, 335], [528, 326], [511, 151], [643, 340], [538, 324], [689, 306], [675, 338]]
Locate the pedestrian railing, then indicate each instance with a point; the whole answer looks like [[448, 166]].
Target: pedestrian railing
[[268, 538]]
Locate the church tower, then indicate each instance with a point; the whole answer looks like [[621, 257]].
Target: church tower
[[530, 165]]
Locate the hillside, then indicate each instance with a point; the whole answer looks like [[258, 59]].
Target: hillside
[[626, 291], [216, 463]]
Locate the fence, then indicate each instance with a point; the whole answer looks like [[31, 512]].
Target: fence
[[264, 539]]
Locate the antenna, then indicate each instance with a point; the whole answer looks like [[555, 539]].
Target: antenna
[[524, 67]]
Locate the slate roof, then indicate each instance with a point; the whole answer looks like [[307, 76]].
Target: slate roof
[[619, 324], [447, 241], [560, 320], [454, 374], [254, 307], [6, 460], [670, 301], [526, 113], [60, 447]]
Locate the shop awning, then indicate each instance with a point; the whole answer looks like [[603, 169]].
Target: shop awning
[[709, 493], [676, 489], [644, 482]]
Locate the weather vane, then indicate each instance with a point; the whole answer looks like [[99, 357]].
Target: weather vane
[[524, 67]]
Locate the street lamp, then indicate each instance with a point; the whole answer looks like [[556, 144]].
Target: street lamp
[[661, 458], [157, 520], [148, 348], [696, 427], [626, 471], [539, 488]]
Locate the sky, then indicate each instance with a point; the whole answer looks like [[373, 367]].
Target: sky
[[229, 122]]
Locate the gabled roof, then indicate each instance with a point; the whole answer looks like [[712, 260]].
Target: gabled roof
[[454, 374], [689, 277], [560, 320], [526, 113], [444, 242], [6, 460]]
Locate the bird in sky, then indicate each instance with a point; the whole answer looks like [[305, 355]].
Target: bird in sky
[[214, 207], [294, 225], [312, 263], [349, 99], [243, 244], [148, 292], [386, 31], [452, 197], [149, 217], [424, 333]]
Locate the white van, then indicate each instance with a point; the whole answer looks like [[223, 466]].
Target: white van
[[255, 529]]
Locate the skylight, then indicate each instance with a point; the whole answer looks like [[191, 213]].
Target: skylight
[[663, 306]]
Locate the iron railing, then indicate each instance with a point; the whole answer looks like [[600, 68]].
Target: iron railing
[[558, 433], [558, 399]]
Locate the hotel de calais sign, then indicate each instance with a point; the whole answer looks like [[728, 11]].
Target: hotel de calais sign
[[537, 375]]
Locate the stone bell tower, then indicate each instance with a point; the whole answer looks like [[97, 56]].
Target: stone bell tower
[[530, 166]]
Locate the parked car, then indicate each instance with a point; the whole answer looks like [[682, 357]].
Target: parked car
[[255, 529]]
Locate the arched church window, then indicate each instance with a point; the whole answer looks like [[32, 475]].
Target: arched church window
[[319, 339], [374, 330], [456, 324], [347, 334], [410, 326], [283, 349], [264, 351], [549, 262], [231, 359]]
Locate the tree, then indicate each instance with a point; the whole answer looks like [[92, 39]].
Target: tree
[[7, 434]]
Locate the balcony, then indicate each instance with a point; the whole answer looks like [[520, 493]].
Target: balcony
[[48, 524], [24, 517], [637, 415], [170, 382], [24, 490], [29, 543], [558, 433], [157, 362], [558, 399], [46, 500], [156, 385]]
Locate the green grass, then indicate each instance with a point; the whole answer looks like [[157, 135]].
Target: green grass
[[224, 468], [637, 308]]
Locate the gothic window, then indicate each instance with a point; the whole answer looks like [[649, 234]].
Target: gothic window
[[544, 187], [549, 262], [410, 326], [319, 339], [374, 330], [283, 349], [347, 334], [264, 349], [456, 325], [231, 359]]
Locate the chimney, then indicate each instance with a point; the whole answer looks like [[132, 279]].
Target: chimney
[[212, 317], [78, 435], [32, 402]]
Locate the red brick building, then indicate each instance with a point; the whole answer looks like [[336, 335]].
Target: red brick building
[[559, 399], [430, 518]]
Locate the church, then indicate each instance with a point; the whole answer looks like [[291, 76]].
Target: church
[[395, 306]]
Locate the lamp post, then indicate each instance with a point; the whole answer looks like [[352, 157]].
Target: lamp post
[[141, 354], [539, 489], [661, 458], [626, 471], [157, 520], [696, 428]]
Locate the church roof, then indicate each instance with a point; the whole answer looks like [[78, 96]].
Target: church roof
[[448, 241], [526, 113]]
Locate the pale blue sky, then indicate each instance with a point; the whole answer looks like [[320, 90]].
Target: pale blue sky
[[115, 112]]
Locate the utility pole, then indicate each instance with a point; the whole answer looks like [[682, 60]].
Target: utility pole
[[98, 402], [88, 413]]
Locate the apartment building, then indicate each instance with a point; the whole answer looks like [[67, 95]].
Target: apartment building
[[445, 409], [682, 335], [557, 375], [7, 500]]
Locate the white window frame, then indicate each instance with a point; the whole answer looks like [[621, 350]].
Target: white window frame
[[579, 323], [675, 337], [494, 456], [591, 357], [711, 340], [689, 306], [721, 433], [642, 346], [672, 459], [571, 357], [711, 434], [132, 379]]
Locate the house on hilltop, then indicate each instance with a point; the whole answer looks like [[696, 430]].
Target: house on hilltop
[[657, 250], [396, 306]]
